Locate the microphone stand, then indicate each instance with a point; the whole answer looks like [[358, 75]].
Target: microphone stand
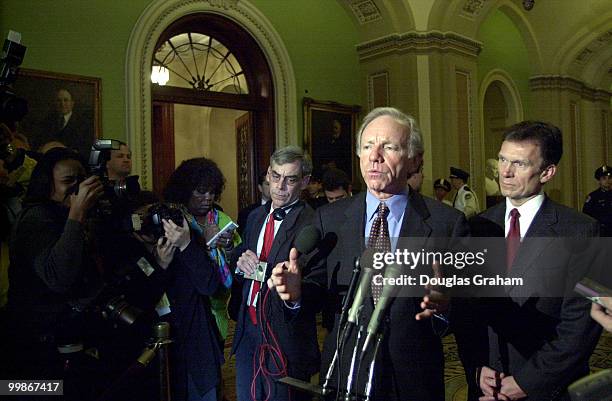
[[349, 294], [160, 342], [349, 379], [344, 328], [325, 388], [379, 338]]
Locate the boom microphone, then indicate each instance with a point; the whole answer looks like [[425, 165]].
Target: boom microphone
[[388, 293]]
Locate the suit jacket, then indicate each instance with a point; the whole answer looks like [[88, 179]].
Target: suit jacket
[[295, 330], [541, 332], [411, 362], [78, 133]]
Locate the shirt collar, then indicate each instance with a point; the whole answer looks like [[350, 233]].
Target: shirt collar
[[528, 209], [286, 208], [396, 204]]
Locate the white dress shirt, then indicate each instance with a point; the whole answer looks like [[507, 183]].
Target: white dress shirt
[[527, 211]]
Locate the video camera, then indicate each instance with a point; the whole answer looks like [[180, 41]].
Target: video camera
[[12, 107]]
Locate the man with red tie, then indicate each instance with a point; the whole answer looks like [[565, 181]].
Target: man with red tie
[[539, 341], [276, 338]]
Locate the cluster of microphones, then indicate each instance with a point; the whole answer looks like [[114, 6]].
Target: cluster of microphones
[[358, 292]]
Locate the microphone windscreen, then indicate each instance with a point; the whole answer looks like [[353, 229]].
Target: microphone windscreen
[[307, 240]]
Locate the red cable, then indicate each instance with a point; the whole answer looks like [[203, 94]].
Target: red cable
[[267, 347]]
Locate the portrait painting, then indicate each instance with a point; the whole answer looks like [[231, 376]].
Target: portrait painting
[[329, 130], [61, 108]]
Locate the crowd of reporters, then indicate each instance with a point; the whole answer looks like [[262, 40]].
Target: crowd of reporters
[[73, 266]]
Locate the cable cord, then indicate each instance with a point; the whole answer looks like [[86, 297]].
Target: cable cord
[[268, 350]]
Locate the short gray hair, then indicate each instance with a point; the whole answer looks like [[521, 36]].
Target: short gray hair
[[415, 141], [290, 154]]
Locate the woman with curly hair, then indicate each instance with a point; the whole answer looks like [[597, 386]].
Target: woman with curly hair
[[196, 185]]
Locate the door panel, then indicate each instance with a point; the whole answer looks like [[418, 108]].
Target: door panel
[[245, 148], [162, 145]]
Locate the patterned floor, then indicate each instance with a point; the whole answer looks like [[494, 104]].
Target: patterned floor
[[453, 371]]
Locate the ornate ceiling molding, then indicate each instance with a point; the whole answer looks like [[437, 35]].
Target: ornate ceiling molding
[[417, 42], [557, 82], [473, 7], [603, 41], [365, 11]]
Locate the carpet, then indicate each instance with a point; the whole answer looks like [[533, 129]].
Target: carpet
[[456, 387]]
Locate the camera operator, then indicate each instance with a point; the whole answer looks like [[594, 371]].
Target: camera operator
[[119, 165], [51, 272]]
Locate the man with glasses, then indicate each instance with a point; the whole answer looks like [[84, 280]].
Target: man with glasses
[[275, 338]]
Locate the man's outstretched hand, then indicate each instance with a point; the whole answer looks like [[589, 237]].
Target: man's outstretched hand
[[287, 278]]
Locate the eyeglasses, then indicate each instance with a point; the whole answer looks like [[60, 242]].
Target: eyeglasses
[[290, 180]]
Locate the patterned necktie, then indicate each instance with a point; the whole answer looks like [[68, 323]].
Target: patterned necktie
[[379, 240], [263, 256], [513, 240]]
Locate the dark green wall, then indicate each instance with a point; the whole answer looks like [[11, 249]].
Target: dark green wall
[[90, 38]]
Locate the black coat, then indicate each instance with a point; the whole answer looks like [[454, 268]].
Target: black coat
[[296, 332], [412, 363], [543, 340], [197, 344]]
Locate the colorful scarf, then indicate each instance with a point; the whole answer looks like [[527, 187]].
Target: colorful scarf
[[217, 254]]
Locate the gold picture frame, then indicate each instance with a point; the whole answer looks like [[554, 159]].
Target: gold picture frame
[[329, 134], [43, 122]]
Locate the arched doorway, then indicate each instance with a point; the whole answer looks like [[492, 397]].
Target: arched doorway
[[152, 23], [501, 107], [218, 102]]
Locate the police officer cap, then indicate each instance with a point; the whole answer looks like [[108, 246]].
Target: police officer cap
[[442, 183], [603, 170], [458, 173]]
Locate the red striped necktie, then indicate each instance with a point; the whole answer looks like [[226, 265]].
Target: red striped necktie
[[263, 257]]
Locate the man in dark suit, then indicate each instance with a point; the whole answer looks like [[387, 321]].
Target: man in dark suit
[[540, 333], [68, 125], [276, 337], [410, 363]]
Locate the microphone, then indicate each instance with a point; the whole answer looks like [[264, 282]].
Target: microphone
[[307, 240], [367, 272], [350, 292], [595, 386], [388, 293]]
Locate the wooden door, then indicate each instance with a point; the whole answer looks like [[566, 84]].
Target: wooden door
[[162, 145], [245, 157]]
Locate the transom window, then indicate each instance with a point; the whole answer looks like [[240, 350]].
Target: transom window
[[200, 62]]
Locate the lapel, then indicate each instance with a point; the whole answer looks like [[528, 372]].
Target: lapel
[[497, 214], [414, 223], [283, 233], [541, 228], [353, 226]]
